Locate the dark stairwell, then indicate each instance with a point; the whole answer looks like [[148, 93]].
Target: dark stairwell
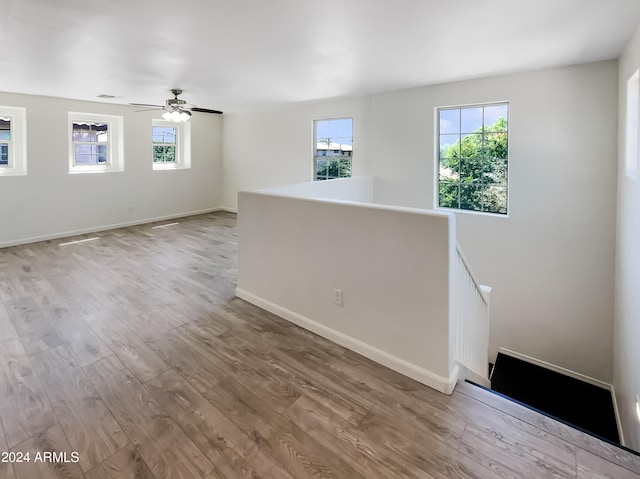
[[578, 403]]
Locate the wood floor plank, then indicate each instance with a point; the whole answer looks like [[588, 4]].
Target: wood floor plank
[[202, 337], [227, 447], [128, 347], [6, 468], [52, 441], [76, 335], [415, 409], [276, 330], [162, 443], [273, 389], [124, 464], [7, 329], [557, 454], [550, 426], [508, 460], [73, 288], [15, 368], [155, 323], [88, 424], [24, 407], [202, 372], [591, 466], [289, 446], [364, 454], [246, 349], [421, 449], [35, 331], [216, 474]]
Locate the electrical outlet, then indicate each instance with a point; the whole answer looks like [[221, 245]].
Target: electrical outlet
[[337, 296]]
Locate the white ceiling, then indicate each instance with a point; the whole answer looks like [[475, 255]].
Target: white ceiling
[[240, 55]]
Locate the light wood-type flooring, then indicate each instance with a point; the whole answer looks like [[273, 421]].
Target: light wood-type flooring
[[132, 352]]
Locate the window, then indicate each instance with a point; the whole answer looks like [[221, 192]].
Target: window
[[473, 154], [13, 147], [171, 145], [164, 144], [96, 143], [90, 143], [333, 140]]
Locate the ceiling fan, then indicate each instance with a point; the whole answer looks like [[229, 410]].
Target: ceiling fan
[[176, 109]]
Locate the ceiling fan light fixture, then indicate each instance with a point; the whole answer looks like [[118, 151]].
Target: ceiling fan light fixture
[[176, 114], [176, 109]]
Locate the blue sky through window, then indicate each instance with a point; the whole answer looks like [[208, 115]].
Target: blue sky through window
[[460, 122], [338, 130]]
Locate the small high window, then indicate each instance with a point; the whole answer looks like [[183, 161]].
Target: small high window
[[171, 143], [164, 144], [333, 152], [96, 143], [13, 145], [473, 155]]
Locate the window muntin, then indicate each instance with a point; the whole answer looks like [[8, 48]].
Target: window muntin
[[5, 142], [90, 143], [165, 144], [333, 148], [473, 158]]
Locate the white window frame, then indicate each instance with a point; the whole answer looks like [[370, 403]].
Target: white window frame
[[17, 145], [314, 171], [436, 191], [115, 148], [183, 145]]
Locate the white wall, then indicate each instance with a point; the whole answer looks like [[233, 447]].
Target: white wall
[[356, 188], [49, 202], [292, 253], [551, 263], [275, 147], [627, 318]]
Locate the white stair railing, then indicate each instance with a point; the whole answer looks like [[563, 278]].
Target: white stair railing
[[470, 323]]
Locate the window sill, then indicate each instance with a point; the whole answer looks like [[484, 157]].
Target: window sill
[[471, 212], [83, 171], [161, 167], [12, 172]]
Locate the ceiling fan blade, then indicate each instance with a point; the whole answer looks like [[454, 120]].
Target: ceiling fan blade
[[206, 110], [146, 104]]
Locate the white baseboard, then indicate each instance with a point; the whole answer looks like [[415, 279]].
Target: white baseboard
[[617, 413], [575, 375], [228, 210], [422, 375], [553, 367], [66, 234]]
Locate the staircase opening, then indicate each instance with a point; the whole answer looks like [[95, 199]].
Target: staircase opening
[[578, 403]]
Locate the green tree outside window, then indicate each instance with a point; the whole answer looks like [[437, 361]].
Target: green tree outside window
[[473, 163]]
